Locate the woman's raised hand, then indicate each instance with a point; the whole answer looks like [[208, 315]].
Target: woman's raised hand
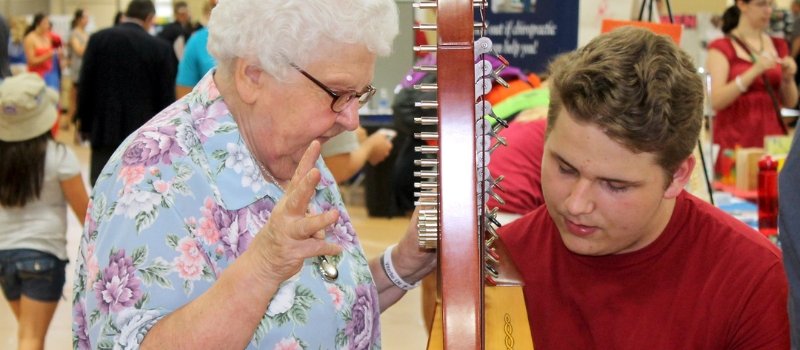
[[293, 233]]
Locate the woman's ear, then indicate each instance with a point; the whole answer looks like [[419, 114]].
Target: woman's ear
[[249, 80]]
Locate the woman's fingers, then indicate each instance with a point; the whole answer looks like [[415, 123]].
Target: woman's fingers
[[301, 190], [307, 162]]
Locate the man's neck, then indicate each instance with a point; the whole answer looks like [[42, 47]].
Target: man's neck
[[136, 21]]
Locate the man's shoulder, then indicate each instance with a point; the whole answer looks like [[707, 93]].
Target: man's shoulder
[[726, 235]]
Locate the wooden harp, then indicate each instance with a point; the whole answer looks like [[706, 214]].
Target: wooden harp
[[453, 182]]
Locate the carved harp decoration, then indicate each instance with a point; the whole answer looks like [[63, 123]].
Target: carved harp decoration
[[452, 179]]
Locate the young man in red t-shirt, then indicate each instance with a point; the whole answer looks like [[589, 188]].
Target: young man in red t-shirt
[[620, 256]]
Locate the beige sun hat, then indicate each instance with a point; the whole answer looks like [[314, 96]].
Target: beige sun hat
[[27, 107]]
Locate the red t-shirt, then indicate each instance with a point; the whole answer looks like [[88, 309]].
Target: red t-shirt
[[521, 164], [708, 282]]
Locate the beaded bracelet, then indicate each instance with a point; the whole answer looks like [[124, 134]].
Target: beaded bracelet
[[388, 268]]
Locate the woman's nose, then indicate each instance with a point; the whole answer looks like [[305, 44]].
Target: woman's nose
[[349, 117]]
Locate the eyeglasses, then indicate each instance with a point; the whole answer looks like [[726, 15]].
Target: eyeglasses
[[340, 99]]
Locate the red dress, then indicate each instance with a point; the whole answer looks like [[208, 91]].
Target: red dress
[[752, 115]]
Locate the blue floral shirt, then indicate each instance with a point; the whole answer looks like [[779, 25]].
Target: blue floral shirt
[[177, 203]]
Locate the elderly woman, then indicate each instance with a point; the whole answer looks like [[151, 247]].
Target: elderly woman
[[217, 225]]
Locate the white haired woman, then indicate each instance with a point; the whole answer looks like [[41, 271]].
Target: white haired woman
[[217, 225]]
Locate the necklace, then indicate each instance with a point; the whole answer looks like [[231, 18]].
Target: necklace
[[328, 270]]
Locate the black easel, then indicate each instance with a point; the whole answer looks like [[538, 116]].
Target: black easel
[[649, 4]]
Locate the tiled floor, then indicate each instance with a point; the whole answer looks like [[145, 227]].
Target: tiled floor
[[401, 325]]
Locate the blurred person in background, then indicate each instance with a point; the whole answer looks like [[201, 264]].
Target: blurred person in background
[[196, 60], [76, 46], [752, 76], [178, 32], [39, 177], [127, 76]]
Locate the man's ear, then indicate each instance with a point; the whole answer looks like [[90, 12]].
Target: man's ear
[[249, 80], [680, 177], [149, 21]]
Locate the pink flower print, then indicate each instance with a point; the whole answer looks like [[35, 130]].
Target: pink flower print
[[208, 227], [119, 288], [219, 250], [190, 222], [190, 250], [288, 344], [131, 175], [336, 295], [162, 186], [92, 267], [188, 268], [154, 171], [90, 224]]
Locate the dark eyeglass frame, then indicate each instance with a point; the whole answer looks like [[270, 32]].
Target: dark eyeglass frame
[[340, 99]]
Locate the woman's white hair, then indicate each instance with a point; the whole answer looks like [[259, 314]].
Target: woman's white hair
[[300, 31]]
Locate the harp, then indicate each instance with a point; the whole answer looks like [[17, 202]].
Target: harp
[[453, 183]]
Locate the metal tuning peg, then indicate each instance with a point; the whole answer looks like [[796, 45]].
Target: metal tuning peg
[[427, 104], [426, 135], [426, 87], [491, 255], [492, 217], [425, 26], [428, 162], [492, 270], [425, 48], [426, 120], [426, 185], [427, 149], [425, 68], [425, 5], [426, 174]]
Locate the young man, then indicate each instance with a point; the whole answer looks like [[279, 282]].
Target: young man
[[620, 256]]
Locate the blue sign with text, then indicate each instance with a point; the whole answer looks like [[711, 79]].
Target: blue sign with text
[[529, 33]]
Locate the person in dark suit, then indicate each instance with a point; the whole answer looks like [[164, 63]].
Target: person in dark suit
[[5, 63], [127, 77], [178, 32]]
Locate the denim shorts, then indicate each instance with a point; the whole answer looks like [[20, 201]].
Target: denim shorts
[[37, 275]]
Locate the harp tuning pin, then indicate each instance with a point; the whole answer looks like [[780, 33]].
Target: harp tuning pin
[[426, 185], [427, 149], [425, 5], [426, 135], [425, 68], [491, 270], [426, 87], [425, 48], [426, 104], [426, 162], [425, 26], [426, 120]]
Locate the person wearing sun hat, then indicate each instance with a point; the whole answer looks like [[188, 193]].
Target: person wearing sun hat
[[38, 177]]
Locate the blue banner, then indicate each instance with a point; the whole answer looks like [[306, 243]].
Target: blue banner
[[529, 33]]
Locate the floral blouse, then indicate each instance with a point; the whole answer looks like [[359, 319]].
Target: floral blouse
[[177, 203]]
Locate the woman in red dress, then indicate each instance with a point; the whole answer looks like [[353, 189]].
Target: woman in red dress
[[738, 65]]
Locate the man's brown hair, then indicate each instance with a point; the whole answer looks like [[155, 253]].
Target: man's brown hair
[[638, 87]]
